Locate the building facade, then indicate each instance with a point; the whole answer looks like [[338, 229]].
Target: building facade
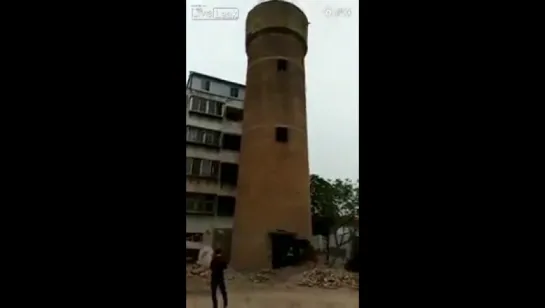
[[214, 114]]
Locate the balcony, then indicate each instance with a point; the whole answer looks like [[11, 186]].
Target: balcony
[[203, 186], [226, 156], [203, 137]]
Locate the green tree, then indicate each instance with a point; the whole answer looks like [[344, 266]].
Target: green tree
[[335, 205]]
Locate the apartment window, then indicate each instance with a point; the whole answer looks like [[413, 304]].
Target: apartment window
[[202, 167], [192, 166], [201, 133], [206, 168], [199, 205], [214, 108], [198, 104], [234, 114], [190, 205], [226, 206], [209, 168], [212, 138], [234, 92], [196, 164], [205, 106], [188, 165], [281, 65], [231, 142], [203, 136], [229, 174], [194, 237], [282, 134], [205, 84], [192, 134]]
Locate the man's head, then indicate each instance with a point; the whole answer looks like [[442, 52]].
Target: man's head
[[217, 252]]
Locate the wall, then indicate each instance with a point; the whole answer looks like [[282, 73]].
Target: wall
[[229, 101], [219, 92], [201, 224], [208, 187], [224, 156], [320, 243], [223, 126]]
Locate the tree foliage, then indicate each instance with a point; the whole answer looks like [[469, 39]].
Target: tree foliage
[[335, 200], [334, 204]]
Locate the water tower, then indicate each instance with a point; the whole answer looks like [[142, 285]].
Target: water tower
[[273, 183]]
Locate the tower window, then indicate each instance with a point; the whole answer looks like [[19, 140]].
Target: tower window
[[281, 65], [282, 134]]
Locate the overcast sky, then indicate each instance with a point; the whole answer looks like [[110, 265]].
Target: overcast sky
[[216, 47]]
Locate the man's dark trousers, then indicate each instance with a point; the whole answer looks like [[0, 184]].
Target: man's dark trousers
[[221, 284]]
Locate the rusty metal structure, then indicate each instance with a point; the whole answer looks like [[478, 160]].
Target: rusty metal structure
[[273, 181]]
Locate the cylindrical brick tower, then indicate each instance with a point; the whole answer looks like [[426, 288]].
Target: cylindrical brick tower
[[273, 183]]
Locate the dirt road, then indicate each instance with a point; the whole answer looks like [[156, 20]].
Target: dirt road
[[293, 298], [278, 289]]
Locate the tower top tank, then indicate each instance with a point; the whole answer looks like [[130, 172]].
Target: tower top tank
[[276, 16]]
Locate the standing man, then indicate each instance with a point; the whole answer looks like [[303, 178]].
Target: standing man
[[217, 266]]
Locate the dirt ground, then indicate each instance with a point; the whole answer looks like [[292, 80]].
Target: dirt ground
[[298, 297], [280, 290]]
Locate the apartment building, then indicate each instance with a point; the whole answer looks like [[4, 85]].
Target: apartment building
[[213, 135]]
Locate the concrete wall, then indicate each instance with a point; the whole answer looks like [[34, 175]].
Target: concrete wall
[[224, 156], [208, 187], [223, 126], [219, 91], [202, 224], [229, 101], [319, 242]]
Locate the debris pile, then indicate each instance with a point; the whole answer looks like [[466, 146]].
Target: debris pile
[[261, 276], [328, 278], [195, 270]]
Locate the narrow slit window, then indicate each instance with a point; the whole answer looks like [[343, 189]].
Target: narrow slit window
[[282, 134], [282, 65]]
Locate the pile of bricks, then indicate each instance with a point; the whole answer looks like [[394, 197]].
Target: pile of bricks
[[261, 276], [328, 278], [195, 270]]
